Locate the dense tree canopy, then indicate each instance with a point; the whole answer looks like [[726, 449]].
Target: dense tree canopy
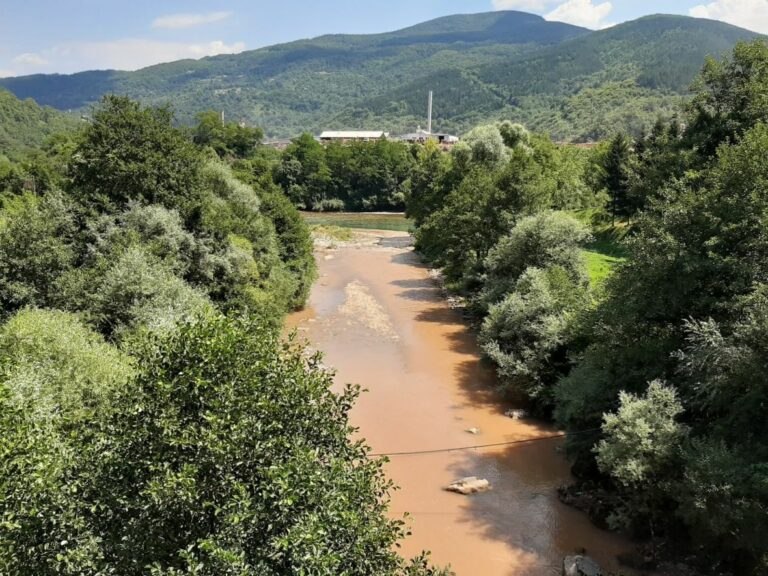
[[660, 370], [153, 420]]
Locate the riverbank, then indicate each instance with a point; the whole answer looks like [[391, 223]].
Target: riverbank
[[395, 221], [382, 322]]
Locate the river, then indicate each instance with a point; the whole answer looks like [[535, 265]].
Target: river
[[381, 322]]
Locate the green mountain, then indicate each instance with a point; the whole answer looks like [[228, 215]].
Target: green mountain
[[24, 124], [574, 83]]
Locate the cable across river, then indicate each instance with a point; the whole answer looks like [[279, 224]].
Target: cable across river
[[479, 446]]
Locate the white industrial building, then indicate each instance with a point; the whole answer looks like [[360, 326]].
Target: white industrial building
[[352, 135]]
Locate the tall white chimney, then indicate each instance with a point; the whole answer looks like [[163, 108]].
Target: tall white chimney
[[429, 114]]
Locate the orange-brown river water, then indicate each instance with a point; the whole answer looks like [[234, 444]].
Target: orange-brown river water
[[381, 322]]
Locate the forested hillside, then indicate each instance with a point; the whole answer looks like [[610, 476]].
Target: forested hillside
[[24, 124], [554, 77]]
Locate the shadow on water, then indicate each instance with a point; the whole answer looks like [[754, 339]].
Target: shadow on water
[[413, 283], [408, 258], [395, 242], [419, 294]]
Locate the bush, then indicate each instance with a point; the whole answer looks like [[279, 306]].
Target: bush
[[53, 367], [228, 453], [526, 333], [540, 241], [36, 248], [329, 205], [295, 243], [136, 290]]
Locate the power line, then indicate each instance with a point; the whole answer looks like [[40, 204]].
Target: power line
[[498, 444]]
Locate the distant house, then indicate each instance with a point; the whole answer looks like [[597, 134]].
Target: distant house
[[421, 136], [352, 135]]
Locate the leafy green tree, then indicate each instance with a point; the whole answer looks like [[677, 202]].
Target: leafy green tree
[[539, 241], [227, 453], [303, 172], [722, 499], [36, 248], [427, 183], [136, 290], [487, 145], [295, 243], [56, 369], [642, 444], [527, 332], [227, 139], [459, 236], [642, 437], [729, 97], [133, 153], [513, 134]]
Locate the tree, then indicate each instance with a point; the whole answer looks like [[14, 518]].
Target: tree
[[617, 175], [56, 369], [427, 187], [487, 145], [540, 241], [526, 333], [227, 139], [303, 172], [514, 135], [729, 97], [134, 153], [36, 248], [642, 443], [226, 453]]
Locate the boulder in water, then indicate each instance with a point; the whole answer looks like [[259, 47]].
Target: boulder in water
[[581, 566], [470, 485]]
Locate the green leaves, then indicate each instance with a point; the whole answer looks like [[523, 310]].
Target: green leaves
[[226, 453]]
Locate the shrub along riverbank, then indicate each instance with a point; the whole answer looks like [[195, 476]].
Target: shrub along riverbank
[[665, 358], [151, 419]]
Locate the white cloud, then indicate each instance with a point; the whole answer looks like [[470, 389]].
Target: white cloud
[[132, 54], [520, 4], [189, 20], [582, 13], [125, 54], [7, 73], [30, 59], [751, 14]]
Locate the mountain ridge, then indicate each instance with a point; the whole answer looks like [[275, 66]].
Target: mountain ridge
[[482, 66]]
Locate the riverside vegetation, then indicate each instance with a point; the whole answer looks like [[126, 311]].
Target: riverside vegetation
[[661, 367], [620, 289], [152, 420]]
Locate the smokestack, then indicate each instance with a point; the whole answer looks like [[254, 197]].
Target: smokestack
[[429, 114]]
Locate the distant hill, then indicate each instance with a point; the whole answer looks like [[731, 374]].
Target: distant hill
[[575, 83], [24, 124]]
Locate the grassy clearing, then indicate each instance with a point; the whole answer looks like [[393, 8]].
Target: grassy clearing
[[368, 221], [333, 233], [600, 265], [607, 251]]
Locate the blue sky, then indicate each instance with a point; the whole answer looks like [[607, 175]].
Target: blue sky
[[72, 35]]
